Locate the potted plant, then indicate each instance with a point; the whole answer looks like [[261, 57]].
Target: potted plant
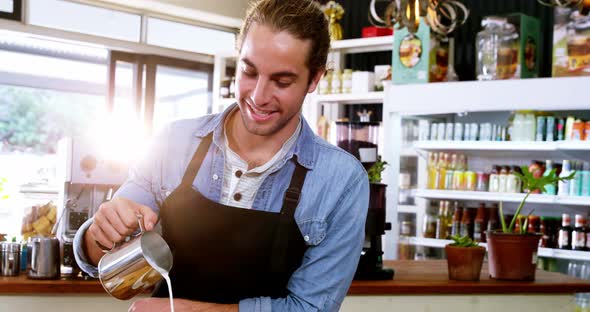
[[464, 259], [513, 256]]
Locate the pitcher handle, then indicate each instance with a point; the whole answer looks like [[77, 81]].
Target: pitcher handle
[[141, 225], [115, 245]]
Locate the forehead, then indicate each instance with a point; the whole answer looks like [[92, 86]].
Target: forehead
[[268, 48]]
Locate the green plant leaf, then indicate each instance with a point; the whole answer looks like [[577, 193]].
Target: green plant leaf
[[502, 221]]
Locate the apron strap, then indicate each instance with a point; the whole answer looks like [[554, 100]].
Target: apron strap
[[293, 193], [193, 167]]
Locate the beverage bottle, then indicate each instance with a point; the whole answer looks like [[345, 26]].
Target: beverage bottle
[[575, 184], [563, 187], [441, 222], [441, 170], [564, 237], [466, 224], [585, 176], [432, 182], [452, 166], [479, 224], [550, 189], [323, 126], [502, 179], [494, 179], [512, 181], [456, 224], [579, 233]]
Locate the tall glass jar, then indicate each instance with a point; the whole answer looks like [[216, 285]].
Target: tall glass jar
[[497, 50]]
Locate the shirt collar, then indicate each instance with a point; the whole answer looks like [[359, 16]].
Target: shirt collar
[[305, 147]]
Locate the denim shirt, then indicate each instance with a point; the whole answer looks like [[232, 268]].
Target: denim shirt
[[331, 213]]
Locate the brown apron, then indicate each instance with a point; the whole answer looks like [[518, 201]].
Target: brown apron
[[224, 254]]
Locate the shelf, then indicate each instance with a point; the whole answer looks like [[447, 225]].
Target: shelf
[[351, 98], [362, 45], [543, 94], [407, 208], [543, 252], [504, 197]]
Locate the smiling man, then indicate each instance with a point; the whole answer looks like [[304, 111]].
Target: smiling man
[[259, 212]]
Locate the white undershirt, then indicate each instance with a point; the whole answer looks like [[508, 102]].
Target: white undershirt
[[249, 182]]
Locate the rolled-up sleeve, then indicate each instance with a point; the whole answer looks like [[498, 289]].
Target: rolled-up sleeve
[[327, 270], [144, 177]]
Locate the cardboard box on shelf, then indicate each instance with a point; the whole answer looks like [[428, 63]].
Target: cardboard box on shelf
[[571, 43], [419, 57]]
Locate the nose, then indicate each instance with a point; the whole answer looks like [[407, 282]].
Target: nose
[[262, 92]]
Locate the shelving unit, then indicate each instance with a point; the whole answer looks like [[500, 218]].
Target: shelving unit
[[219, 67], [503, 197], [481, 99], [352, 98], [543, 252]]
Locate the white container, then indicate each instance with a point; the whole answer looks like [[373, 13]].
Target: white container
[[363, 82]]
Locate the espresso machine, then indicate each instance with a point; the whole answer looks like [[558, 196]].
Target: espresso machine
[[88, 177], [360, 139]]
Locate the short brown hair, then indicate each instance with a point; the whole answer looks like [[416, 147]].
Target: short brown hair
[[301, 18]]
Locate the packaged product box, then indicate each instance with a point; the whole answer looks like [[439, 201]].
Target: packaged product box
[[529, 30], [382, 74], [419, 57], [571, 43]]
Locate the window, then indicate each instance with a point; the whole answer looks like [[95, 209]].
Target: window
[[11, 9], [189, 37], [85, 19]]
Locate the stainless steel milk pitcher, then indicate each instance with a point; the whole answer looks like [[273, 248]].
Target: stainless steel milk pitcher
[[136, 265]]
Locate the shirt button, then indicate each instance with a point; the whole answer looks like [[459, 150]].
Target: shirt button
[[239, 173], [237, 196], [215, 177], [306, 238]]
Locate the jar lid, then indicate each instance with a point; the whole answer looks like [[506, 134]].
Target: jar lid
[[10, 247]]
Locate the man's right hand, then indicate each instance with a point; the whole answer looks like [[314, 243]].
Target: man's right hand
[[113, 222]]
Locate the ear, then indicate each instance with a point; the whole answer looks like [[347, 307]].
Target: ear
[[315, 80]]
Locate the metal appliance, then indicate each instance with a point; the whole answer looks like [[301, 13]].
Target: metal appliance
[[360, 139], [88, 177]]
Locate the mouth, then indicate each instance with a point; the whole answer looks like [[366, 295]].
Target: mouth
[[258, 114]]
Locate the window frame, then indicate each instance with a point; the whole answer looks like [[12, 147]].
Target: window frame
[[16, 15]]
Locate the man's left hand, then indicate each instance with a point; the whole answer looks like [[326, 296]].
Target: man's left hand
[[180, 305]]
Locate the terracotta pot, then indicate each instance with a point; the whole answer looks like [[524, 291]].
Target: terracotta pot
[[513, 256], [464, 262]]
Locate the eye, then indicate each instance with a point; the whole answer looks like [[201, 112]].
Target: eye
[[282, 84], [248, 71]]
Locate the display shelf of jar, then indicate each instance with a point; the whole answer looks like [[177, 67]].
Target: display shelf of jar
[[504, 197], [362, 45], [543, 252], [351, 98], [543, 94]]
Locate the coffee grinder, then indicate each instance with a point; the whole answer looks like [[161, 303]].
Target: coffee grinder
[[88, 177], [360, 139]]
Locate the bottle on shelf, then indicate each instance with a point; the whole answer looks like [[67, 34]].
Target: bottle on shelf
[[459, 173], [550, 189], [579, 233], [563, 186], [432, 181], [336, 85], [429, 225], [456, 223], [494, 182], [575, 184], [466, 223], [512, 181], [564, 237], [442, 231], [441, 170], [502, 177], [323, 126], [479, 224], [585, 176], [452, 167], [534, 224]]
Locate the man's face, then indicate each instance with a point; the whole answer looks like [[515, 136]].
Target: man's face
[[272, 80]]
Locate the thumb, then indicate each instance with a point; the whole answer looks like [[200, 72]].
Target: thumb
[[150, 218]]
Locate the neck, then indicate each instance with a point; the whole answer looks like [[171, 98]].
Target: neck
[[256, 150]]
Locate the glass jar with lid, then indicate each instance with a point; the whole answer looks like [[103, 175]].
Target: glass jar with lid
[[578, 42], [497, 50]]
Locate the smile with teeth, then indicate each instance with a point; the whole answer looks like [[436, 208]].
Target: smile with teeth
[[259, 112]]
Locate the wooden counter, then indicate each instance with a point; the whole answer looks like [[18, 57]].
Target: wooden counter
[[431, 277], [411, 277]]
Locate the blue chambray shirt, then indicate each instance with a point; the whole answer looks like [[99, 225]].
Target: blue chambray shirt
[[331, 213]]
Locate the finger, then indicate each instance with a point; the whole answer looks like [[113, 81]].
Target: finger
[[107, 229], [127, 213], [115, 220], [150, 218], [99, 237]]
